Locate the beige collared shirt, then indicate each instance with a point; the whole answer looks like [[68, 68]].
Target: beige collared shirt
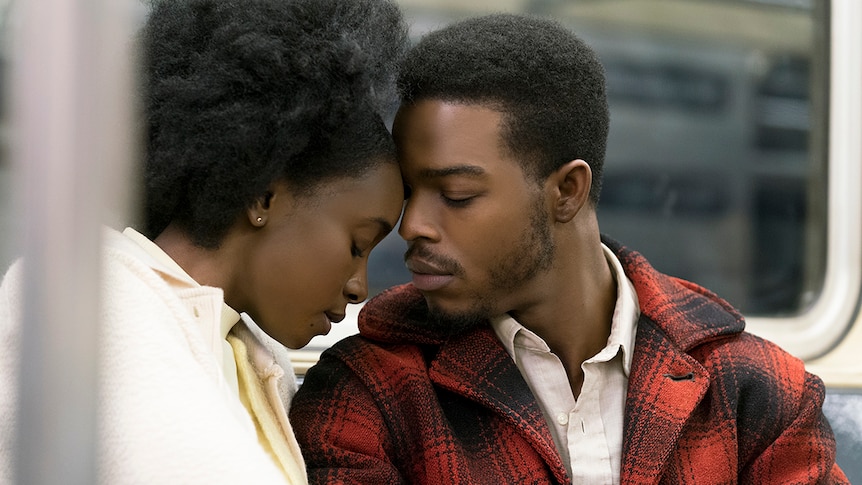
[[588, 432], [202, 309]]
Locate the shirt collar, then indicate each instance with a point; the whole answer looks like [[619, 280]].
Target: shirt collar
[[626, 311], [623, 321], [159, 260]]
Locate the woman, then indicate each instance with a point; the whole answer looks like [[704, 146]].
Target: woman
[[270, 175]]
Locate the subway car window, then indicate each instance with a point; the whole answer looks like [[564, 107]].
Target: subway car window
[[716, 156], [716, 161]]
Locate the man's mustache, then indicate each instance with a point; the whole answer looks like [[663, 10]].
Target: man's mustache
[[421, 252]]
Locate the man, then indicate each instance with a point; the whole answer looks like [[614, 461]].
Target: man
[[529, 348]]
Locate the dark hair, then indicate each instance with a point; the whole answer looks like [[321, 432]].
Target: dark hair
[[549, 85], [241, 94]]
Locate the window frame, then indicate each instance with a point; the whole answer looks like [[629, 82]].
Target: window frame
[[820, 328]]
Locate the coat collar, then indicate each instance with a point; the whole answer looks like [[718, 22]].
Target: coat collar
[[665, 385], [476, 365], [688, 314]]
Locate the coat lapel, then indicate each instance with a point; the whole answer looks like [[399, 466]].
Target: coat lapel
[[665, 386], [477, 366]]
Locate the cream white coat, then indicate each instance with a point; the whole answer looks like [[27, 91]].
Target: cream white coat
[[166, 412]]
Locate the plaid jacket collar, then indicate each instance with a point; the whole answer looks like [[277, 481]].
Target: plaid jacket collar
[[477, 366], [675, 383], [676, 316], [687, 314]]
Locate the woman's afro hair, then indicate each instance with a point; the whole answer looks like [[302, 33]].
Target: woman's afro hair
[[239, 94]]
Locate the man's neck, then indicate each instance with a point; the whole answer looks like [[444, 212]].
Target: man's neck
[[576, 312]]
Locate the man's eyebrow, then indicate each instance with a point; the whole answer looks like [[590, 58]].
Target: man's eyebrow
[[471, 170]]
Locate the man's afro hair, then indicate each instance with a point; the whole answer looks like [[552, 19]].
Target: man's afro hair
[[547, 82]]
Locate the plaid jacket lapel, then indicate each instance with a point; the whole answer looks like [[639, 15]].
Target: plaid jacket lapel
[[478, 367], [665, 386]]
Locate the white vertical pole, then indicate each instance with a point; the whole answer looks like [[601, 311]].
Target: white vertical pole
[[71, 145]]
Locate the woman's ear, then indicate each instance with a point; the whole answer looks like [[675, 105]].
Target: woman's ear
[[570, 185], [258, 213]]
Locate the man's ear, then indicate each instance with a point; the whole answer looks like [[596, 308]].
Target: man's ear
[[258, 212], [570, 184]]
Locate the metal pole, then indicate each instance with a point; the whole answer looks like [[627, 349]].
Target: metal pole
[[70, 148]]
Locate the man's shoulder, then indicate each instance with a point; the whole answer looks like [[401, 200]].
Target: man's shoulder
[[657, 289], [750, 357], [357, 362], [687, 313]]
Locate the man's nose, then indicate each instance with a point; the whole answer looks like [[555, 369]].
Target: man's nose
[[417, 221]]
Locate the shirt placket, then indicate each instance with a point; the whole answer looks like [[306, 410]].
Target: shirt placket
[[585, 432]]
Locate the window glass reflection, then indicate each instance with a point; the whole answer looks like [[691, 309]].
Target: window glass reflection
[[715, 166]]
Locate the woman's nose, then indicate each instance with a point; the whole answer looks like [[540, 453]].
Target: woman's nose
[[356, 289]]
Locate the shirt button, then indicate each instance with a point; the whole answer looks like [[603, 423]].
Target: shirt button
[[563, 419]]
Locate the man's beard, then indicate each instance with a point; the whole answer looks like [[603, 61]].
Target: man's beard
[[533, 255]]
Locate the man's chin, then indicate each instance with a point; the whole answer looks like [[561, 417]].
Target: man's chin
[[451, 323]]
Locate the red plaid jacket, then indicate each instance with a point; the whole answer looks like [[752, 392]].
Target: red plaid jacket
[[707, 402]]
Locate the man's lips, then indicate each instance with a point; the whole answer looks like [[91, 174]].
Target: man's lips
[[427, 276], [421, 266]]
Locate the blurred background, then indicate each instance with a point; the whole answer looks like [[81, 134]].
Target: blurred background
[[715, 168], [716, 158]]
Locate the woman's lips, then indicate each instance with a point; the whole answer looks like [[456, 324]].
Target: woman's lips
[[329, 319], [335, 317]]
